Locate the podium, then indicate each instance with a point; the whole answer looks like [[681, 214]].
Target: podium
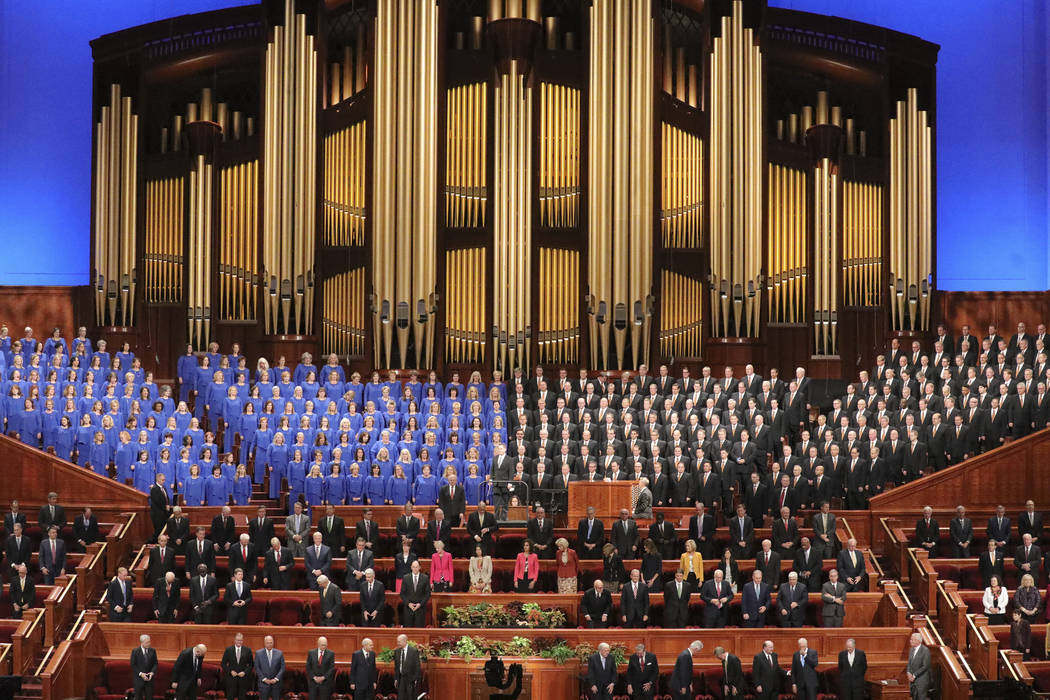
[[607, 497]]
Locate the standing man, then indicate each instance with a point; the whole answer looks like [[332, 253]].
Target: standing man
[[480, 527], [333, 532], [358, 561], [851, 566], [237, 596], [331, 602], [676, 601], [320, 670], [625, 535], [269, 670], [853, 667], [22, 591], [716, 595], [363, 673], [296, 529], [318, 561], [643, 674], [765, 672], [732, 673], [415, 594], [407, 527], [833, 594], [203, 594], [804, 671], [407, 669], [120, 597], [541, 531], [373, 600], [186, 673], [682, 675], [166, 598], [52, 513], [918, 668], [755, 602], [791, 601], [237, 668], [143, 668], [52, 556], [277, 565], [634, 602], [159, 505], [601, 673]]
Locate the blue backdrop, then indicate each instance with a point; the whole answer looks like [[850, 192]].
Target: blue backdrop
[[991, 149]]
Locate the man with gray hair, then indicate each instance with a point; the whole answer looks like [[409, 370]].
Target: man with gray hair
[[186, 673], [643, 674], [643, 507], [269, 670], [408, 669], [918, 667], [143, 668], [682, 675], [601, 673], [363, 673], [732, 673], [373, 599], [804, 671], [320, 670]]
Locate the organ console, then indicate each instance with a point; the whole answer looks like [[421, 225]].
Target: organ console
[[510, 182]]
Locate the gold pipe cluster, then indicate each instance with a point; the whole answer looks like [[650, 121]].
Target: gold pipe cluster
[[911, 215], [788, 253], [344, 186], [198, 296], [681, 322], [238, 241], [346, 78], [465, 312], [681, 81], [559, 167], [736, 178], [682, 188], [826, 264], [405, 161], [862, 243], [116, 168], [163, 258], [559, 319], [620, 186], [465, 161], [289, 175], [233, 126], [343, 313], [512, 230]]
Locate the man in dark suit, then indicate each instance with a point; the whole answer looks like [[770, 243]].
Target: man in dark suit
[[481, 525], [768, 562], [14, 516], [1028, 558], [407, 527], [1030, 521], [320, 670], [166, 597], [203, 594], [223, 531], [927, 531], [236, 665], [990, 563], [999, 527], [439, 528], [682, 675], [373, 600], [244, 556], [643, 674], [85, 530], [702, 531], [143, 668], [367, 529], [676, 601], [755, 601], [186, 673], [120, 596], [237, 596], [333, 532], [716, 595], [269, 670], [277, 565], [792, 599], [159, 504], [22, 591], [452, 501], [260, 530], [540, 530], [596, 605], [809, 566], [785, 533], [732, 674], [200, 551], [318, 561], [18, 549], [850, 565], [741, 533], [363, 673], [634, 602], [590, 536], [961, 531], [51, 514], [52, 556], [415, 594], [601, 673], [177, 529], [161, 559], [663, 534], [853, 667], [358, 561], [408, 670], [765, 673], [331, 602], [624, 535], [804, 680]]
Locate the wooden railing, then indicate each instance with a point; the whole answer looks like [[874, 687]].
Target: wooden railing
[[91, 573], [27, 641], [951, 613], [60, 607], [64, 673], [894, 607], [1012, 665], [983, 646], [123, 541], [5, 659]]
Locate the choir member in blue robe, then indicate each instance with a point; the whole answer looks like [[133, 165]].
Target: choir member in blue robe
[[242, 486], [193, 493], [355, 485], [398, 487], [426, 488], [407, 465], [277, 464], [335, 485], [62, 439], [295, 473], [143, 474], [383, 461], [217, 488], [260, 447], [375, 487], [473, 485], [99, 455], [313, 487]]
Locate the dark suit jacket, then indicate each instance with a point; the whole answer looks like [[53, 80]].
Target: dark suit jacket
[[115, 596], [86, 531], [597, 535], [852, 677], [751, 602], [162, 602], [223, 531], [771, 570], [733, 675], [762, 674], [231, 663], [796, 616], [1035, 558], [325, 666], [804, 675], [783, 534], [334, 538], [57, 565], [408, 670], [331, 601], [185, 672], [599, 676], [676, 610], [11, 518], [143, 663], [194, 556], [322, 563], [847, 569], [477, 523], [157, 566], [276, 579], [997, 532], [229, 596], [988, 568], [376, 601], [363, 673], [541, 536], [433, 535], [596, 606], [45, 520], [642, 671], [415, 594], [237, 561], [624, 537], [22, 596], [682, 675], [18, 553], [452, 506], [260, 534], [634, 608]]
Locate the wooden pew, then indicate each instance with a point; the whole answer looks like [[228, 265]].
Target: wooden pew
[[27, 641], [951, 613], [60, 607], [983, 646], [91, 574]]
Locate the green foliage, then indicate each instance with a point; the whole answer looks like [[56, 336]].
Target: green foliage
[[514, 614]]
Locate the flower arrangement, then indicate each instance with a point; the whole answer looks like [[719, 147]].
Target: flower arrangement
[[555, 648], [513, 614]]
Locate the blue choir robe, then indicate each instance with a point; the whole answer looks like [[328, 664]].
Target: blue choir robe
[[375, 490], [409, 469], [355, 489], [182, 471], [216, 490], [296, 474], [62, 442], [425, 492], [473, 487], [260, 447], [277, 463], [99, 458], [313, 489], [398, 490], [242, 490], [386, 467], [144, 476], [125, 456], [168, 470], [193, 493], [335, 490]]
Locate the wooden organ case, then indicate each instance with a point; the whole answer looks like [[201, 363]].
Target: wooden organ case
[[460, 184]]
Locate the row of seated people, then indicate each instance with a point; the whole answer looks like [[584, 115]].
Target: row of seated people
[[674, 605], [850, 424]]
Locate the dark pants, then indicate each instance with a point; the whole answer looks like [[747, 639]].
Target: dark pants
[[521, 585], [319, 691], [406, 689], [202, 615], [236, 615], [413, 618], [237, 687], [143, 689]]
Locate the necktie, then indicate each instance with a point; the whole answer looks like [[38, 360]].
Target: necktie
[[54, 556], [200, 547], [269, 657], [635, 590], [317, 551], [769, 659], [239, 586], [237, 653], [679, 589]]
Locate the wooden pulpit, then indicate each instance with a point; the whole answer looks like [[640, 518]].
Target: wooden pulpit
[[607, 497]]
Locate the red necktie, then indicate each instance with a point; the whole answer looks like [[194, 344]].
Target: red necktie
[[244, 553]]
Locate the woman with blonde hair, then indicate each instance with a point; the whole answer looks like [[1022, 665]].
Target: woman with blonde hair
[[692, 563], [613, 572], [568, 566]]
